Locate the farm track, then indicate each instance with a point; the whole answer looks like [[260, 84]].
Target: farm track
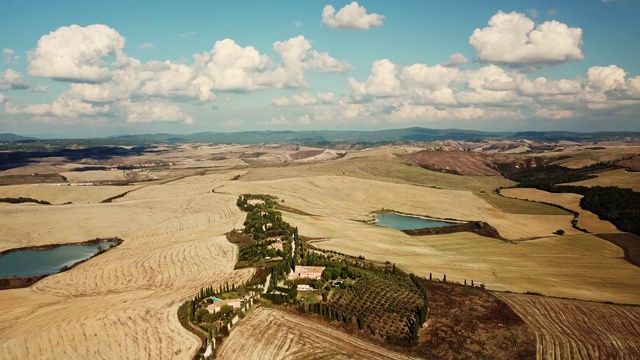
[[574, 329], [276, 334]]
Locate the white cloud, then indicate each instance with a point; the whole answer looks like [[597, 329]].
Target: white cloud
[[152, 111], [13, 80], [3, 99], [555, 113], [304, 120], [146, 46], [281, 101], [277, 121], [326, 97], [383, 80], [351, 16], [297, 23], [455, 60], [76, 54], [514, 39], [9, 56], [304, 99]]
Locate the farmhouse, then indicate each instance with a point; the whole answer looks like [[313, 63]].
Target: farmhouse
[[304, 288], [217, 305], [255, 202], [311, 272]]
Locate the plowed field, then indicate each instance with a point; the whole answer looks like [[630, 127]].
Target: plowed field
[[572, 329], [273, 334], [121, 304]]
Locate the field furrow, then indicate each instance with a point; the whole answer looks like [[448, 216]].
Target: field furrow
[[274, 334], [574, 329]]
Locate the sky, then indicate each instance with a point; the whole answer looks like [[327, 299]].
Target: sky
[[72, 69]]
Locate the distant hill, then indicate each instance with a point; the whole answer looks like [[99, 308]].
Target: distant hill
[[320, 136], [14, 137], [323, 137], [574, 136]]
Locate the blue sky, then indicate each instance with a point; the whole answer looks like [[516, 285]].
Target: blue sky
[[83, 69]]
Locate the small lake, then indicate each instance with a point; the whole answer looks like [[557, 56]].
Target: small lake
[[34, 262], [405, 222]]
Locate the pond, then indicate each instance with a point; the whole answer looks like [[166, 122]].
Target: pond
[[35, 262], [406, 222]]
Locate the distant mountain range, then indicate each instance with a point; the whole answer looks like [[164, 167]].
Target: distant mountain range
[[14, 137], [332, 136]]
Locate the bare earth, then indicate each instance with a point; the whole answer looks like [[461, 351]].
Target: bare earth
[[570, 329], [277, 334]]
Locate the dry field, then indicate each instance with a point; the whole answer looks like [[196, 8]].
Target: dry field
[[571, 329], [64, 194], [568, 266], [275, 334], [618, 177], [587, 220], [123, 303]]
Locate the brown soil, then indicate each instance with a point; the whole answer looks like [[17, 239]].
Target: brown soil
[[471, 323], [573, 329], [454, 162], [629, 242], [477, 227], [19, 282], [305, 154]]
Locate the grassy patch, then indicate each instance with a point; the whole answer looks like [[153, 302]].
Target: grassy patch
[[517, 206]]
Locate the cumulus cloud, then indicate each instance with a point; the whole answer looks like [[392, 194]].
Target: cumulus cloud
[[9, 56], [3, 99], [304, 99], [104, 80], [383, 80], [13, 80], [151, 111], [281, 101], [76, 54], [326, 97], [304, 119], [514, 39], [277, 121], [456, 59], [421, 92], [351, 16], [146, 46]]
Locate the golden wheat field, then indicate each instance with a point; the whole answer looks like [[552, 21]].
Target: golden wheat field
[[277, 334], [123, 303], [575, 265]]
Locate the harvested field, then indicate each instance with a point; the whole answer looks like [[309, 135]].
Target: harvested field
[[571, 329], [517, 206], [64, 194], [587, 220], [123, 303], [569, 266], [274, 334], [382, 164], [94, 175], [456, 162], [618, 177]]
